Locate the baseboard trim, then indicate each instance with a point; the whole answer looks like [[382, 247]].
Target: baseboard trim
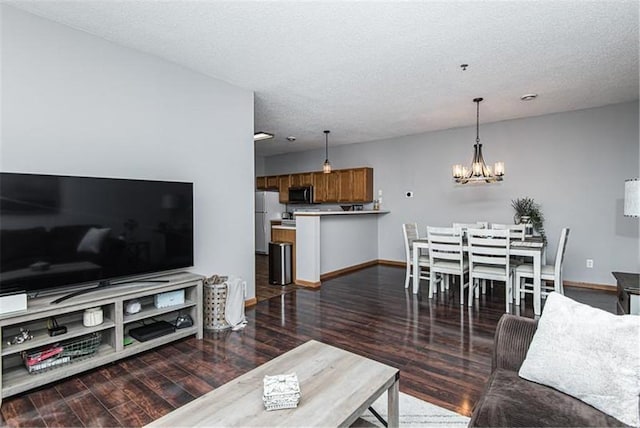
[[394, 263], [308, 284], [591, 286], [250, 302], [347, 270]]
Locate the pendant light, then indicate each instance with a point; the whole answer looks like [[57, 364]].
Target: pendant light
[[326, 166], [479, 171]]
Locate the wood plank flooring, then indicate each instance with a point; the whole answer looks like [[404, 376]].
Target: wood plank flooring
[[442, 350], [264, 290]]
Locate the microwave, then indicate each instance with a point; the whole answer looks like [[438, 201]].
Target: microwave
[[301, 195]]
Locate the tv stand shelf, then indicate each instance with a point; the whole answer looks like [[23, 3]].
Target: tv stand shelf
[[14, 377]]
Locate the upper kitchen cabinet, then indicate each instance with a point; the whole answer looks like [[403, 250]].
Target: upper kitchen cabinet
[[319, 186], [362, 185], [267, 183], [303, 179], [284, 182], [343, 185], [273, 182]]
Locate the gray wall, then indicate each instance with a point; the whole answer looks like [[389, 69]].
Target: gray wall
[[75, 104], [574, 164]]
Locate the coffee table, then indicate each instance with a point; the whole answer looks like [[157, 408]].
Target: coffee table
[[337, 387]]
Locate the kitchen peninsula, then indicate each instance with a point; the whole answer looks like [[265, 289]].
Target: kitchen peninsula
[[329, 243]]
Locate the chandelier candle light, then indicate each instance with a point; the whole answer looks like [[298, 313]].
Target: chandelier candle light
[[326, 166], [479, 171]]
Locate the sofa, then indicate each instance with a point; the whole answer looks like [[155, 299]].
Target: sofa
[[511, 401]]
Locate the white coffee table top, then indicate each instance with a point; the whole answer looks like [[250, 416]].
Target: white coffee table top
[[337, 386]]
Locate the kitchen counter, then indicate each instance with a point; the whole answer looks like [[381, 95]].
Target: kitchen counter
[[322, 213], [283, 227], [329, 243]]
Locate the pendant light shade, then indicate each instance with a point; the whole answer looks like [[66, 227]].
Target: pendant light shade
[[479, 172], [326, 166]]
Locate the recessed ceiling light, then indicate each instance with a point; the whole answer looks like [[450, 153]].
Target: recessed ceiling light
[[291, 138], [262, 136], [529, 97]]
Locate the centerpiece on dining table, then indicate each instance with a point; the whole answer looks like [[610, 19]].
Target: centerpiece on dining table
[[529, 213]]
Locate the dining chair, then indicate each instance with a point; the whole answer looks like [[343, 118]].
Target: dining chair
[[517, 230], [465, 226], [489, 259], [446, 256], [410, 232], [547, 273]]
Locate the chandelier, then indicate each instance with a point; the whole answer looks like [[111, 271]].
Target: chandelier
[[479, 171]]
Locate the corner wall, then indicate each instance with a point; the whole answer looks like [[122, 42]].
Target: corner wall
[[574, 164], [76, 104]]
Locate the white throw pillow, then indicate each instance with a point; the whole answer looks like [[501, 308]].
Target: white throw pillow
[[91, 242], [589, 354]]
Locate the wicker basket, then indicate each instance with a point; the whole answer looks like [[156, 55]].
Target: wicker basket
[[63, 353], [215, 299]]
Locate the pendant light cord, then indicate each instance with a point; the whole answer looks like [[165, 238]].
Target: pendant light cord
[[326, 146], [477, 121]]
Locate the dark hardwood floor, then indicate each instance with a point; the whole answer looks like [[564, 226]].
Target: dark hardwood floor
[[264, 290], [442, 350]]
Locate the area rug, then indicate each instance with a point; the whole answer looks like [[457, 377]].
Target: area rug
[[413, 413]]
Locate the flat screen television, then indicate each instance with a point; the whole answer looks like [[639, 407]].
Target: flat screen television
[[65, 231]]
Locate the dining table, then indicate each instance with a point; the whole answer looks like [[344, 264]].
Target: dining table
[[531, 248]]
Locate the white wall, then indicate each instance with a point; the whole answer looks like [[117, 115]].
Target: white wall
[[75, 104], [573, 164]]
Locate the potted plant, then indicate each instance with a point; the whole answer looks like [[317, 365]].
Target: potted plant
[[527, 211]]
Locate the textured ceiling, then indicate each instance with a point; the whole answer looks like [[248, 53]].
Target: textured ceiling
[[375, 70]]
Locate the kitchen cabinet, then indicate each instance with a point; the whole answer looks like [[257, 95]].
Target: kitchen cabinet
[[284, 182], [343, 185], [332, 187], [267, 183], [319, 183], [303, 179], [261, 183], [272, 182], [362, 185]]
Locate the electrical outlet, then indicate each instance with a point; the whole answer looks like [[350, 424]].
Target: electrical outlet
[[590, 263], [409, 194]]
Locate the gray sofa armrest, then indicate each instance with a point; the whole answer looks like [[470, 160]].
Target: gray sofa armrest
[[512, 340]]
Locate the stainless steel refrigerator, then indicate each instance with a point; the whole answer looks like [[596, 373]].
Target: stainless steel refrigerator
[[268, 208]]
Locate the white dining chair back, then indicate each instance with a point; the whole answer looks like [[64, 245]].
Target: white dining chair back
[[462, 227], [557, 269], [517, 230], [410, 233], [489, 259], [547, 273], [446, 255]]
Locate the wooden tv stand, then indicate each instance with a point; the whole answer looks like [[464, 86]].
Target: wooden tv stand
[[14, 377]]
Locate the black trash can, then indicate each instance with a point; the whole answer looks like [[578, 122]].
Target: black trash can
[[280, 263]]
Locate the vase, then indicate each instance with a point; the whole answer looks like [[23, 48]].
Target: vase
[[528, 226]]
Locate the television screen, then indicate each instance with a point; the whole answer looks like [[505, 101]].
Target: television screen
[[59, 231]]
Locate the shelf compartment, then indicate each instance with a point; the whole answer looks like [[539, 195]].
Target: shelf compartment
[[41, 336], [136, 346], [150, 311], [17, 379]]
